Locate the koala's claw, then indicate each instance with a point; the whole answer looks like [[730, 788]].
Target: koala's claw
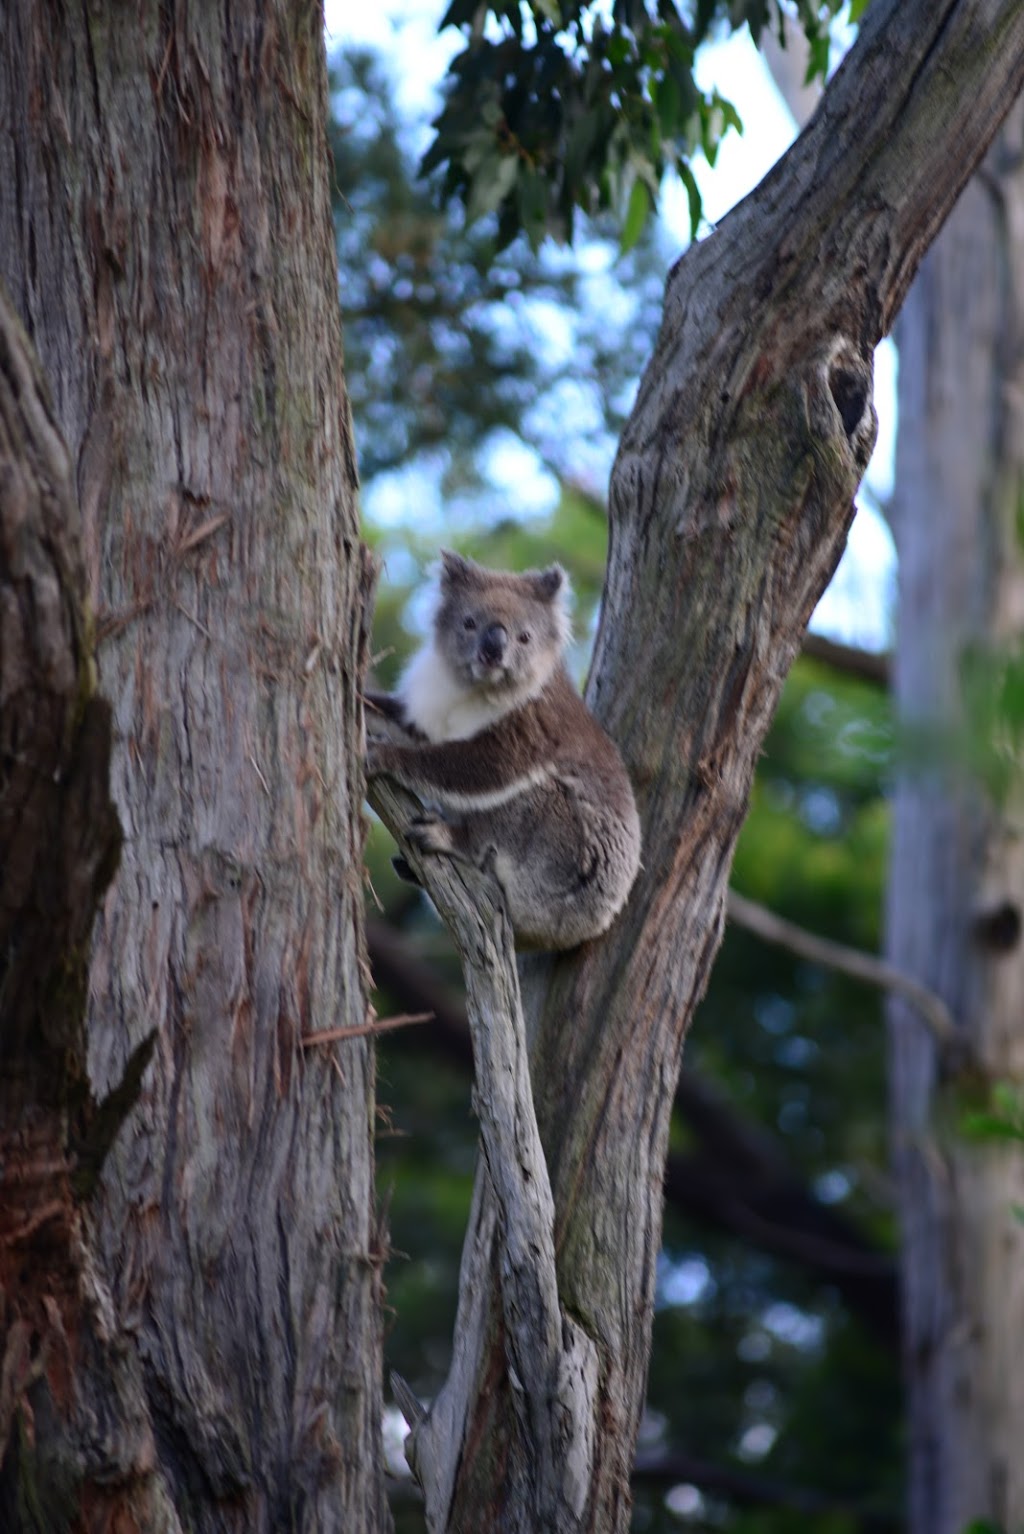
[[430, 834]]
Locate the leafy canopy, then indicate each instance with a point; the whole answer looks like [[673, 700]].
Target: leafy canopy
[[557, 106]]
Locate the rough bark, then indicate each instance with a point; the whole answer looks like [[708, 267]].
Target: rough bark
[[957, 879], [166, 233], [74, 1439], [730, 501]]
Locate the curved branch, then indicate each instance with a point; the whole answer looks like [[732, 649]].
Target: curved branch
[[740, 1182], [868, 665], [848, 961], [548, 1354]]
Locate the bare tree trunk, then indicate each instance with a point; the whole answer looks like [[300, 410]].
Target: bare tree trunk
[[166, 233], [956, 889], [730, 502]]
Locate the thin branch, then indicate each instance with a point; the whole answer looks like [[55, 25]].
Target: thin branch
[[364, 1030], [848, 961], [740, 1182], [552, 1360]]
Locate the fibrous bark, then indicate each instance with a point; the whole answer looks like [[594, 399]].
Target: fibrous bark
[[956, 890], [166, 233], [730, 501], [75, 1441]]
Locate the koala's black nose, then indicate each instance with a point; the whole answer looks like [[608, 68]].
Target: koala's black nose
[[492, 644]]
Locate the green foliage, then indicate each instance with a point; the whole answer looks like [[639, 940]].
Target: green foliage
[[991, 742], [557, 107], [1002, 1119], [452, 345]]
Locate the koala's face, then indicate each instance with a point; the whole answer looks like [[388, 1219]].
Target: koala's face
[[498, 631]]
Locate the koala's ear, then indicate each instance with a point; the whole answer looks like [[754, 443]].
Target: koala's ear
[[455, 571], [551, 583]]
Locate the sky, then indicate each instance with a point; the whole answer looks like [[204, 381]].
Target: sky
[[857, 606]]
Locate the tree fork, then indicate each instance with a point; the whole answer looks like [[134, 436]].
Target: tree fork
[[731, 497]]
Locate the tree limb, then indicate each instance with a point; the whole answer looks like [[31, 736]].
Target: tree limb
[[740, 1182], [549, 1356], [848, 961], [868, 665], [730, 502]]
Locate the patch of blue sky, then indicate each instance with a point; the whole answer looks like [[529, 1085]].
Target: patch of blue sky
[[682, 1282]]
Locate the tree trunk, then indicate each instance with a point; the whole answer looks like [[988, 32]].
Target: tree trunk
[[730, 501], [956, 889], [166, 233]]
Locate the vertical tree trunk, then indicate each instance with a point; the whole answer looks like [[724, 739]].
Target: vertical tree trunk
[[166, 233], [956, 890]]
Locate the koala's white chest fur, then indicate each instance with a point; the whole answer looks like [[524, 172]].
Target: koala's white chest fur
[[435, 702]]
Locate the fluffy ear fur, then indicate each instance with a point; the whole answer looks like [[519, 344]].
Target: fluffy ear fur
[[549, 583], [455, 571]]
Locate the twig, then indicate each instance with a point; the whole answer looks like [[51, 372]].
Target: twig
[[849, 961], [200, 534], [256, 768], [361, 1030], [200, 626]]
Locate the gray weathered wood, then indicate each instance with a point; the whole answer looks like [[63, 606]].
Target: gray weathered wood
[[550, 1361]]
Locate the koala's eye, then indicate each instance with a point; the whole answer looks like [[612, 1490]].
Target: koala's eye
[[469, 624], [524, 637]]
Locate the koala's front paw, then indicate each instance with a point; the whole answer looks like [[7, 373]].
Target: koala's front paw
[[431, 834], [374, 757]]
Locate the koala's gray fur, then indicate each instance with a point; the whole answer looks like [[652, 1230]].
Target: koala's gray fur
[[487, 729]]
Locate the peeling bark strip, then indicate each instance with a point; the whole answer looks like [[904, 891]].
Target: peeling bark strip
[[730, 501], [166, 234], [72, 1417]]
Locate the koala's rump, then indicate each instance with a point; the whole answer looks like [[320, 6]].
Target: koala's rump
[[565, 863]]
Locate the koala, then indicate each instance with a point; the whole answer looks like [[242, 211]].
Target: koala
[[515, 773]]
